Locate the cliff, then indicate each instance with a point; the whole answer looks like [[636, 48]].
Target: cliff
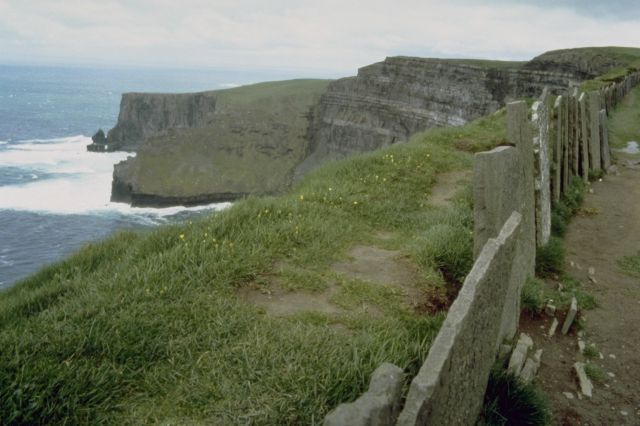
[[146, 115], [221, 145], [389, 101], [243, 141]]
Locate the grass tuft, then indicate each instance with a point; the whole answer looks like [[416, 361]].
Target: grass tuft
[[550, 257], [532, 296], [631, 265], [509, 401]]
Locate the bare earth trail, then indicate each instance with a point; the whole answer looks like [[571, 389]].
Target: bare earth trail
[[608, 232]]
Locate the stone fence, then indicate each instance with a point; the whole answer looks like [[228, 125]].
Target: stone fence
[[514, 187]]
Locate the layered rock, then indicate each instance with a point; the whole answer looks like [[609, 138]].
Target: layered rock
[[145, 115], [584, 63], [389, 101]]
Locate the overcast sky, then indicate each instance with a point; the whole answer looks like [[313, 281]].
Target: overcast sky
[[316, 38]]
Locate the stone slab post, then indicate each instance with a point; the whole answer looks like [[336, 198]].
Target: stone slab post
[[519, 134], [556, 137], [540, 121], [594, 131], [498, 190], [574, 142], [450, 386], [565, 143], [583, 122], [605, 153]]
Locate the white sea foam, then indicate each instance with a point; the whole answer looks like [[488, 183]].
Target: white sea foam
[[83, 185], [3, 142]]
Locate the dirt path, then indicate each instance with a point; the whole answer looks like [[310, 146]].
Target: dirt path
[[598, 240]]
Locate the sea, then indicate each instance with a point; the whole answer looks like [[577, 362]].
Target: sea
[[54, 194]]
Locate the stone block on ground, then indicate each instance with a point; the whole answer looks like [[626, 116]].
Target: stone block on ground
[[519, 354], [531, 367], [571, 315], [586, 387], [379, 406], [553, 327]]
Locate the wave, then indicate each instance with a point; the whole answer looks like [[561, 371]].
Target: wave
[[78, 182]]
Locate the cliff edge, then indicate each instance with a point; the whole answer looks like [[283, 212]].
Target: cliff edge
[[240, 141]]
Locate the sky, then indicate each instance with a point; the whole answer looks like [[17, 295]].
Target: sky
[[315, 38]]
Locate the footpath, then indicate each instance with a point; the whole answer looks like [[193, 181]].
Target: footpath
[[606, 231]]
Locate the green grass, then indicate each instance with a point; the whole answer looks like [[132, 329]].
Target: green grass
[[631, 264], [550, 257], [509, 401], [532, 296], [590, 351], [251, 144], [623, 121], [594, 372], [149, 327]]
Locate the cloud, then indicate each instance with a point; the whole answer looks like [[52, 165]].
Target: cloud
[[318, 36]]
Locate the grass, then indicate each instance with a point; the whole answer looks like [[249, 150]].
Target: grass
[[509, 401], [532, 296], [631, 264], [594, 372], [251, 144], [550, 257], [590, 351], [149, 328], [623, 121]]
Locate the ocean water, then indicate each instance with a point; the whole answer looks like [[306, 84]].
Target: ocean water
[[54, 194]]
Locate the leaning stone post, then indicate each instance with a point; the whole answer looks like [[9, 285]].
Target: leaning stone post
[[594, 131], [540, 121]]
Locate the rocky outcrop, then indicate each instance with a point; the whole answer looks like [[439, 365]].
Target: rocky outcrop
[[145, 115], [247, 140], [583, 64], [389, 101]]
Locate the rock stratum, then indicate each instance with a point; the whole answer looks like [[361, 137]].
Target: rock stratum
[[258, 139]]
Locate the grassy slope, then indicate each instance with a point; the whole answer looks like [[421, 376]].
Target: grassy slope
[[253, 144], [149, 327], [623, 122], [629, 56]]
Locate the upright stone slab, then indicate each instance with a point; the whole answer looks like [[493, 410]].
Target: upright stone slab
[[540, 121], [594, 131], [583, 120], [519, 134], [557, 136], [449, 388], [575, 132], [605, 154], [498, 189], [565, 143]]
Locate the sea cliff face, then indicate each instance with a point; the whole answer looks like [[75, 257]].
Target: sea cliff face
[[242, 141], [389, 101], [146, 115]]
